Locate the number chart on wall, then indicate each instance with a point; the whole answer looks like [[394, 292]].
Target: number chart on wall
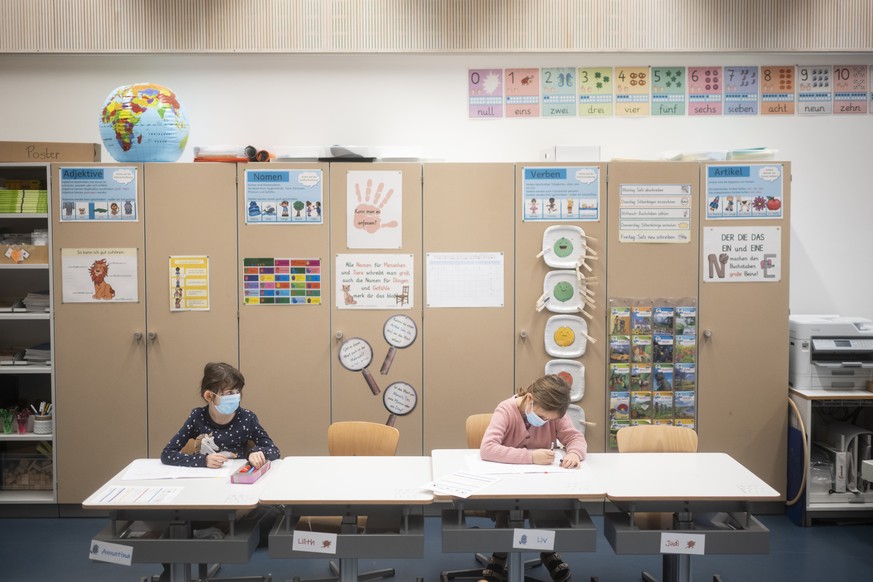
[[701, 90], [652, 376]]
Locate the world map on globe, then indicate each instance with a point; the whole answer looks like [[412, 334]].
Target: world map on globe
[[144, 122]]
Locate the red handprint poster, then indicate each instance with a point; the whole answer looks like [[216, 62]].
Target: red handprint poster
[[375, 210]]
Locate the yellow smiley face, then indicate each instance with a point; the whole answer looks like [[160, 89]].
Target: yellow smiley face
[[564, 336]]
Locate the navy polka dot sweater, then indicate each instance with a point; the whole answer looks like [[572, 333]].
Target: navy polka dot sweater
[[232, 436]]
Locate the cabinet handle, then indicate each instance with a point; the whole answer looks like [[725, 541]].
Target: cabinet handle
[[152, 335], [522, 334], [707, 333], [338, 335], [137, 336]]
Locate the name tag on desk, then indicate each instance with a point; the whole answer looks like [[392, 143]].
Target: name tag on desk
[[533, 539], [314, 541], [682, 543], [109, 552]]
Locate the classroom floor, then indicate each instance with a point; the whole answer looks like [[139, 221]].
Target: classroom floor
[[48, 549]]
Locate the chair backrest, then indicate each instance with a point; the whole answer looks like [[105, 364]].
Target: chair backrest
[[656, 438], [362, 439], [476, 426]]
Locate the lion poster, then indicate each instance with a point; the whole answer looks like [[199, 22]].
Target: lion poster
[[99, 275]]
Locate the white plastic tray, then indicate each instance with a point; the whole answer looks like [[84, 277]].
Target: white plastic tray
[[578, 330], [551, 280], [576, 370], [560, 239]]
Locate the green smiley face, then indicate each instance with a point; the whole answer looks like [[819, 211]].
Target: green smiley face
[[563, 291], [563, 247]]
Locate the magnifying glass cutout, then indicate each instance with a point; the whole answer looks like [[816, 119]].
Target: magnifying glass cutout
[[400, 332], [399, 399], [355, 354]]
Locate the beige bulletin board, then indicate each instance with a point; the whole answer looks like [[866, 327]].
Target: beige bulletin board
[[469, 350], [743, 364], [100, 362], [285, 350], [531, 356], [350, 397], [190, 209], [652, 269]]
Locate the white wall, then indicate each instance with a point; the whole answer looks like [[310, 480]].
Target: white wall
[[270, 100]]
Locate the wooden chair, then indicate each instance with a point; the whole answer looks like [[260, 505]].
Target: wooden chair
[[655, 438], [355, 439], [476, 426]]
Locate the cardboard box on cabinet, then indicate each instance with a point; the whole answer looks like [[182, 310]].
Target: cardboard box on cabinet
[[47, 152]]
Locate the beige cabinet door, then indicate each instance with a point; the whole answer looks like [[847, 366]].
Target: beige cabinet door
[[468, 363], [743, 351], [530, 352], [351, 397], [100, 359], [285, 349], [190, 211]]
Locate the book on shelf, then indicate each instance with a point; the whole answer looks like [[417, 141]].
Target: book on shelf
[[37, 301], [39, 353]]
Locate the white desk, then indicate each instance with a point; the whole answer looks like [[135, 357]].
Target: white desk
[[683, 484], [387, 488], [201, 499], [550, 501]]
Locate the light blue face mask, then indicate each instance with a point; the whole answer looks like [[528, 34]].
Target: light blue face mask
[[533, 418], [228, 405]]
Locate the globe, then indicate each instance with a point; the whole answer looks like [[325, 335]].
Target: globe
[[144, 122]]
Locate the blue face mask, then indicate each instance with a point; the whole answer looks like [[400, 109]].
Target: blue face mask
[[533, 418], [228, 405]]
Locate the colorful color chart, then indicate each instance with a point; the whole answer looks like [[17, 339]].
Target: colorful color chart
[[271, 281]]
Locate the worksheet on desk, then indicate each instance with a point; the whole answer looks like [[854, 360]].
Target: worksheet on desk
[[476, 465], [153, 469]]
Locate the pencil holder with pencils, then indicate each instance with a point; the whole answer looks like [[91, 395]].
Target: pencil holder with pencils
[[42, 424]]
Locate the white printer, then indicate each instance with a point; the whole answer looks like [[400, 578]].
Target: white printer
[[829, 352]]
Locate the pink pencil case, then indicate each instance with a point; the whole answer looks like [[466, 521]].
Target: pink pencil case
[[247, 475]]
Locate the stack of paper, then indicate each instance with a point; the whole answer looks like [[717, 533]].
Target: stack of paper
[[38, 353], [10, 201], [34, 201], [37, 301]]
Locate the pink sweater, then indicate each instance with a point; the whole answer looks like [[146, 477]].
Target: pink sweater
[[509, 439]]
